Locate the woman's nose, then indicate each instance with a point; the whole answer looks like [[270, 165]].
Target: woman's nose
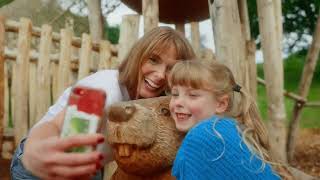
[[161, 73]]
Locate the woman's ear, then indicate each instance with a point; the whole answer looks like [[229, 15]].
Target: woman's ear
[[222, 104]]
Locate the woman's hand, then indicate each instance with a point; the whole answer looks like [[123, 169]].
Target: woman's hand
[[47, 158], [45, 153]]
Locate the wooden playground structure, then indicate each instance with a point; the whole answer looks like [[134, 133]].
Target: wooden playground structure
[[43, 63]]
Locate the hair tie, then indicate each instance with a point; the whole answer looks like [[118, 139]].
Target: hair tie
[[236, 88]]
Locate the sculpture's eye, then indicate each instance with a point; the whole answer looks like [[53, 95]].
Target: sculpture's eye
[[165, 111], [130, 109]]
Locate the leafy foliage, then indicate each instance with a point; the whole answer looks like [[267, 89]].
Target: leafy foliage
[[112, 33], [4, 2], [299, 18]]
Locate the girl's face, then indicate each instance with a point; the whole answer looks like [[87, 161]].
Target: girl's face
[[188, 106], [155, 71]]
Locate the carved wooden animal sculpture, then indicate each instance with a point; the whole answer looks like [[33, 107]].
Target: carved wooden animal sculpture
[[144, 139]]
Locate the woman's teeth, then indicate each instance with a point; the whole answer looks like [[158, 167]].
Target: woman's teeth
[[151, 84]]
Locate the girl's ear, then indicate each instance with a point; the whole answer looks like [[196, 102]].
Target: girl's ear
[[222, 104]]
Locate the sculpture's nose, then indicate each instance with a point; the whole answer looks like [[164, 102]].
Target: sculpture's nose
[[121, 114]]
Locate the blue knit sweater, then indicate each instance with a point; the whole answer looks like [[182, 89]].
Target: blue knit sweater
[[214, 149]]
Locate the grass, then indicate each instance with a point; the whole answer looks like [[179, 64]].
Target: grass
[[293, 67]]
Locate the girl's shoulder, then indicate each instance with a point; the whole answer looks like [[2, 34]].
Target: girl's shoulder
[[217, 123]]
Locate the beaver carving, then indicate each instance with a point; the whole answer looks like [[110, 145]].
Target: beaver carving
[[144, 139]]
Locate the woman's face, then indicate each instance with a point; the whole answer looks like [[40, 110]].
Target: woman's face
[[154, 71]]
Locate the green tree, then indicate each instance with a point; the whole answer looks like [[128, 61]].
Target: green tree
[[299, 18]]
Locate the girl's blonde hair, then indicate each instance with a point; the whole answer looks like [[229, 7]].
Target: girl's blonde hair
[[219, 79], [158, 40]]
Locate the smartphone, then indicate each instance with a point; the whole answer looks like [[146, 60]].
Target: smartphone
[[84, 113]]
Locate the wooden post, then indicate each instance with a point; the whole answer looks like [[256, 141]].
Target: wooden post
[[2, 81], [21, 86], [150, 12], [304, 87], [129, 32], [195, 38], [180, 28], [64, 71], [105, 55], [229, 40], [43, 71], [250, 61], [33, 94], [85, 56], [273, 72]]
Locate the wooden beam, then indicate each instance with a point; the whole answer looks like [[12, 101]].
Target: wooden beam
[[312, 104], [304, 87], [13, 26], [285, 92]]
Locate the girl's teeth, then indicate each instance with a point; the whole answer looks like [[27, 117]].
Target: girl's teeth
[[182, 116]]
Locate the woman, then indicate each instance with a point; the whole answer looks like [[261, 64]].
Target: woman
[[143, 74]]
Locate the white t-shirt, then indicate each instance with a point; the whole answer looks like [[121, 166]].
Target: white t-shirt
[[108, 80]]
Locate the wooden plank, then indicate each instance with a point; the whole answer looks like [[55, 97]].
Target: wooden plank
[[85, 56], [64, 71], [129, 31], [150, 12], [2, 80], [54, 81], [33, 94], [21, 81], [43, 71], [105, 55]]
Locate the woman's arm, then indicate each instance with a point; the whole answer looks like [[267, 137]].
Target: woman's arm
[[45, 153]]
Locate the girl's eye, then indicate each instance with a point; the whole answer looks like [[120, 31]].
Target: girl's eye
[[193, 95]]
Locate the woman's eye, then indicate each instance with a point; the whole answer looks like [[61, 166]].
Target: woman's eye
[[153, 60]]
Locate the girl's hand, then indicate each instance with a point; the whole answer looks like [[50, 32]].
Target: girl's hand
[[48, 159]]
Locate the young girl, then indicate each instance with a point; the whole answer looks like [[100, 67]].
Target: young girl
[[217, 146]]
